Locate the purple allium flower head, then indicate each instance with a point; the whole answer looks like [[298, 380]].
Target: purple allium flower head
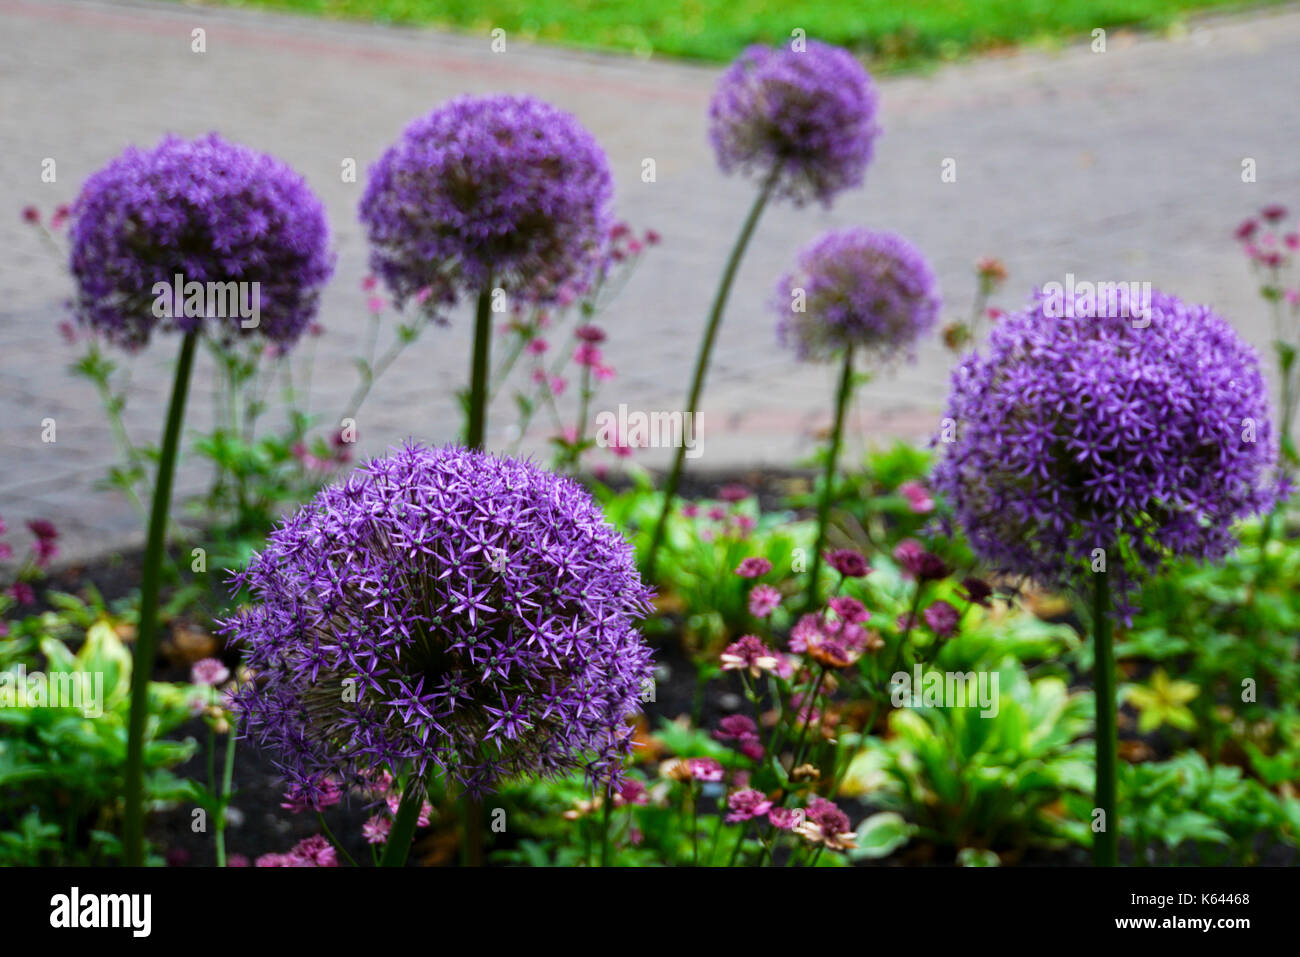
[[809, 116], [1144, 432], [506, 188], [444, 611], [869, 291], [209, 211]]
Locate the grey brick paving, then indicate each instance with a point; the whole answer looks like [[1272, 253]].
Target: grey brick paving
[[1123, 165]]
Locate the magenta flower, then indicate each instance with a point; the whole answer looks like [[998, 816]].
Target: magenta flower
[[376, 829], [752, 567], [209, 671], [848, 563], [746, 805], [749, 653], [942, 617], [763, 600], [705, 769], [785, 818]]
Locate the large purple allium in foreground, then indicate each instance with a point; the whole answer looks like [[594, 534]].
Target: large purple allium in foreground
[[211, 211], [870, 291], [812, 113], [506, 189], [1090, 432], [482, 609]]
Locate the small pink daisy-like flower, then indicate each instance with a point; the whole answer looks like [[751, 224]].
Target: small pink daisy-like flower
[[705, 769], [807, 627], [849, 609], [394, 801], [208, 671], [370, 283], [587, 355], [375, 303], [918, 498], [589, 333], [538, 346], [558, 384], [942, 617], [717, 513], [824, 823], [785, 818], [22, 593], [753, 567], [31, 215], [375, 830], [744, 525], [749, 653], [848, 563], [61, 216], [315, 851], [747, 804], [1246, 230], [690, 510], [763, 600]]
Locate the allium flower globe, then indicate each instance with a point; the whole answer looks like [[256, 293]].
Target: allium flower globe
[[481, 609], [506, 188], [1102, 431], [210, 211], [810, 112], [869, 291]]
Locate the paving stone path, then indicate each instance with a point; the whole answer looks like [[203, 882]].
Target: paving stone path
[[1123, 165]]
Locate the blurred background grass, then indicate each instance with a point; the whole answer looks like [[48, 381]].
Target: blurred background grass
[[890, 33]]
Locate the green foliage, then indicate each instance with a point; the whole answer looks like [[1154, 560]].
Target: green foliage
[[1185, 811], [700, 555], [891, 34], [967, 781], [61, 768]]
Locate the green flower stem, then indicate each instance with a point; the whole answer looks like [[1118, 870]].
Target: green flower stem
[[329, 836], [1105, 848], [403, 829], [702, 360], [478, 385], [227, 776], [604, 826], [147, 639], [828, 484]]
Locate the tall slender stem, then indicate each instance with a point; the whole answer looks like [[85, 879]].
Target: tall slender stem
[[227, 776], [478, 385], [828, 483], [398, 845], [604, 826], [1105, 847], [702, 360], [142, 671]]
